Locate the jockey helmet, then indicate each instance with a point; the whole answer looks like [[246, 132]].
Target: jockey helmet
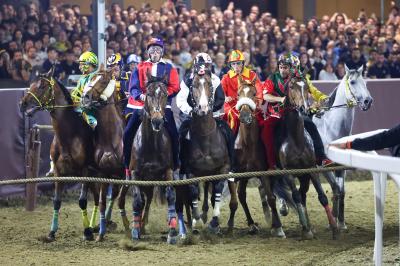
[[202, 63], [155, 42], [289, 59], [236, 55], [86, 59], [133, 59], [115, 59]]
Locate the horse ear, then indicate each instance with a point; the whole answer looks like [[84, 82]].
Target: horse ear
[[360, 69], [346, 68], [51, 72]]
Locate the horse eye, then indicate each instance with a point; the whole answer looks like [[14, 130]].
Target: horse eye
[[352, 82]]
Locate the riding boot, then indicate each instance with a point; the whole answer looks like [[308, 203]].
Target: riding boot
[[173, 132], [317, 141]]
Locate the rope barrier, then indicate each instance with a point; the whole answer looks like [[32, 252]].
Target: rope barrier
[[73, 179]]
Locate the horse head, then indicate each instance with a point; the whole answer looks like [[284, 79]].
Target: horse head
[[246, 104], [40, 95], [298, 96], [202, 95], [356, 90], [100, 88], [156, 100]]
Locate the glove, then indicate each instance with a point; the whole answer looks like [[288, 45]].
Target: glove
[[142, 97]]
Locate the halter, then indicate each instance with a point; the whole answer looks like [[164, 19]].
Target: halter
[[352, 102]]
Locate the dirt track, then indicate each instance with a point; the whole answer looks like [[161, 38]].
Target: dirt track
[[20, 234]]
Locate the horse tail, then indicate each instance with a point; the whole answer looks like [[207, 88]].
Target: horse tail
[[282, 189]]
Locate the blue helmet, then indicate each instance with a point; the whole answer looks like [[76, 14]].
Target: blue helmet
[[133, 59]]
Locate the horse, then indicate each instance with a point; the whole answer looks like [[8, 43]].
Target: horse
[[151, 158], [337, 122], [206, 153], [296, 151], [250, 157], [72, 146], [107, 136]]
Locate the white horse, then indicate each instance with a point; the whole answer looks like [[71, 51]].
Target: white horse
[[337, 122]]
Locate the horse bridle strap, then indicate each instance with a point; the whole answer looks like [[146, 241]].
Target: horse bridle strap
[[44, 105], [353, 101]]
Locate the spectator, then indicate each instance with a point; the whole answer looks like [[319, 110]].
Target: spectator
[[20, 68], [220, 68], [395, 66], [69, 66], [32, 58], [357, 59], [305, 64], [52, 60], [340, 71], [327, 73], [4, 65], [380, 69]]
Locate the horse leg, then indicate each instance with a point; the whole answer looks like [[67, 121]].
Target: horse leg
[[194, 195], [340, 179], [330, 177], [253, 228], [205, 206], [218, 186], [94, 188], [88, 232], [121, 205], [102, 204], [179, 202], [276, 225], [264, 200], [188, 206], [323, 199], [56, 211], [112, 195], [171, 197], [148, 192], [137, 212], [302, 211]]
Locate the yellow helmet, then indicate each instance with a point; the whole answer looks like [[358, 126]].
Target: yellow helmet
[[115, 59], [235, 55], [89, 58]]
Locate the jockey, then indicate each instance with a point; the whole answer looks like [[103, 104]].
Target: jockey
[[131, 65], [137, 89], [121, 77], [230, 86], [274, 93], [202, 65], [88, 66]]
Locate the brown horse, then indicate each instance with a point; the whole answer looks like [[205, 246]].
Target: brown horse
[[107, 136], [151, 158], [250, 157], [206, 153], [296, 151], [72, 146]]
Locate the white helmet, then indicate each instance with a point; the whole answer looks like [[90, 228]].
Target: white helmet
[[202, 63]]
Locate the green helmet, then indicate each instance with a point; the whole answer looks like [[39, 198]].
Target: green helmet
[[89, 58]]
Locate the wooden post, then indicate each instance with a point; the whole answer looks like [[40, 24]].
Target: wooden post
[[32, 167]]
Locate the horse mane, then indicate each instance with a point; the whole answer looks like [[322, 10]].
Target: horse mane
[[65, 91], [332, 97]]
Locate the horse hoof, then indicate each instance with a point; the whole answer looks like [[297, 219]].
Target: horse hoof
[[172, 236], [253, 229], [51, 237], [182, 236], [342, 226], [214, 229], [278, 232], [96, 229], [111, 226], [88, 234], [100, 238], [283, 209], [135, 234], [307, 235]]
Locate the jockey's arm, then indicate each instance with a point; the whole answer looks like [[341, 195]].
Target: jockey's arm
[[134, 86], [315, 93], [182, 99], [219, 95], [173, 83], [268, 93]]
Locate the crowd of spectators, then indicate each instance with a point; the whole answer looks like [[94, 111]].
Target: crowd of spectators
[[32, 40]]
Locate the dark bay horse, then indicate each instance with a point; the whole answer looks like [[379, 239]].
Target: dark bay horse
[[107, 137], [250, 157], [72, 146], [296, 151], [151, 158], [206, 153]]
